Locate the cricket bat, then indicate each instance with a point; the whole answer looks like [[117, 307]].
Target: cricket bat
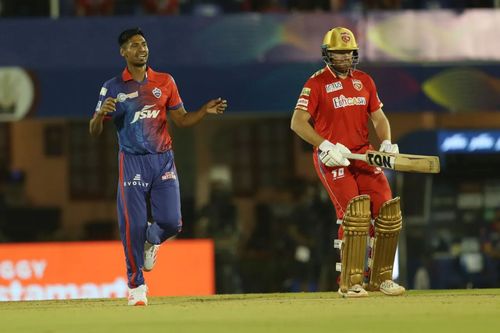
[[398, 162]]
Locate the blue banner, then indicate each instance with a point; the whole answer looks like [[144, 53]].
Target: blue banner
[[258, 62]]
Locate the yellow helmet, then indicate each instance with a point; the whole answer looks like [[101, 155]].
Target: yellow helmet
[[339, 39]]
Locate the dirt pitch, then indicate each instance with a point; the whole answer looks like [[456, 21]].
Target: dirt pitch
[[471, 311]]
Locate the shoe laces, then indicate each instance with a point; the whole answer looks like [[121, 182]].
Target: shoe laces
[[152, 249], [390, 284], [356, 288], [137, 292]]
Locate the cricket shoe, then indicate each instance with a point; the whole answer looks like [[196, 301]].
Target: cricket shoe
[[353, 292], [391, 288], [137, 296], [150, 254]]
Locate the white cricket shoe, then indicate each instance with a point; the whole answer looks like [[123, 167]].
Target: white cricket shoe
[[391, 288], [137, 296], [150, 254], [354, 291]]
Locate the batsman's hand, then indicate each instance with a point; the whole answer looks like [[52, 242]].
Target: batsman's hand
[[216, 106], [388, 147], [331, 154], [108, 106]]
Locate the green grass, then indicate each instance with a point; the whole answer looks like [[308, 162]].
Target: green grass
[[472, 311]]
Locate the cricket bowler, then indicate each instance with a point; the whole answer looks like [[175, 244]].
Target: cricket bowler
[[137, 101]]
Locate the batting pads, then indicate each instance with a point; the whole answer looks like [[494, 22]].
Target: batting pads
[[387, 227], [353, 246], [356, 225]]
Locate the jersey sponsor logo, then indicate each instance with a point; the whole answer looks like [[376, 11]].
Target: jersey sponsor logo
[[169, 175], [333, 87], [103, 91], [122, 97], [305, 92], [136, 181], [357, 84], [156, 92], [145, 113], [342, 101], [302, 103]]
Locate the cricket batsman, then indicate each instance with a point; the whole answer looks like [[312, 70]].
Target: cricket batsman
[[332, 114], [138, 101]]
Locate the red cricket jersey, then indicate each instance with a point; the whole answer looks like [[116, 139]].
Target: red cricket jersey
[[340, 108]]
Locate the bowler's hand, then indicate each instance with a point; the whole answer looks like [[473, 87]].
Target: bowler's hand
[[331, 154], [387, 147], [216, 106], [108, 106]]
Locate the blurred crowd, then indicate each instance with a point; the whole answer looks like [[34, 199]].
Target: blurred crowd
[[15, 8], [452, 260], [287, 246], [283, 242]]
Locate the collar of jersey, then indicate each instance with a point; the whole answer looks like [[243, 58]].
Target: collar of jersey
[[151, 75], [335, 75]]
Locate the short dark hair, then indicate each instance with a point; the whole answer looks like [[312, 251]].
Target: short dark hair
[[129, 33]]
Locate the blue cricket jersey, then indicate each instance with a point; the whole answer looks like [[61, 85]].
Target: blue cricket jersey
[[141, 110]]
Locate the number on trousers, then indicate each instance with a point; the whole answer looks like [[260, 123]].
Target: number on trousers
[[339, 173]]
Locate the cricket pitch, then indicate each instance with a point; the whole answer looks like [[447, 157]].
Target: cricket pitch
[[476, 310]]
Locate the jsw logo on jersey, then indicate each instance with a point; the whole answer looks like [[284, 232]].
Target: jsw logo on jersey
[[146, 112]]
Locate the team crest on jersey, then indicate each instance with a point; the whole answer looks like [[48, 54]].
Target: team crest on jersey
[[157, 92], [333, 87], [357, 84]]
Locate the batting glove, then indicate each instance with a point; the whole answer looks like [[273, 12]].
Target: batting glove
[[388, 147], [331, 154]]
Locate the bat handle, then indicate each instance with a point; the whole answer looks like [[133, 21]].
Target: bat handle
[[351, 156]]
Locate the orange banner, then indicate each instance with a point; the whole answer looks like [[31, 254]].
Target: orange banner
[[36, 271]]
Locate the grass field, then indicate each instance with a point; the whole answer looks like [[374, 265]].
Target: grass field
[[475, 311]]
